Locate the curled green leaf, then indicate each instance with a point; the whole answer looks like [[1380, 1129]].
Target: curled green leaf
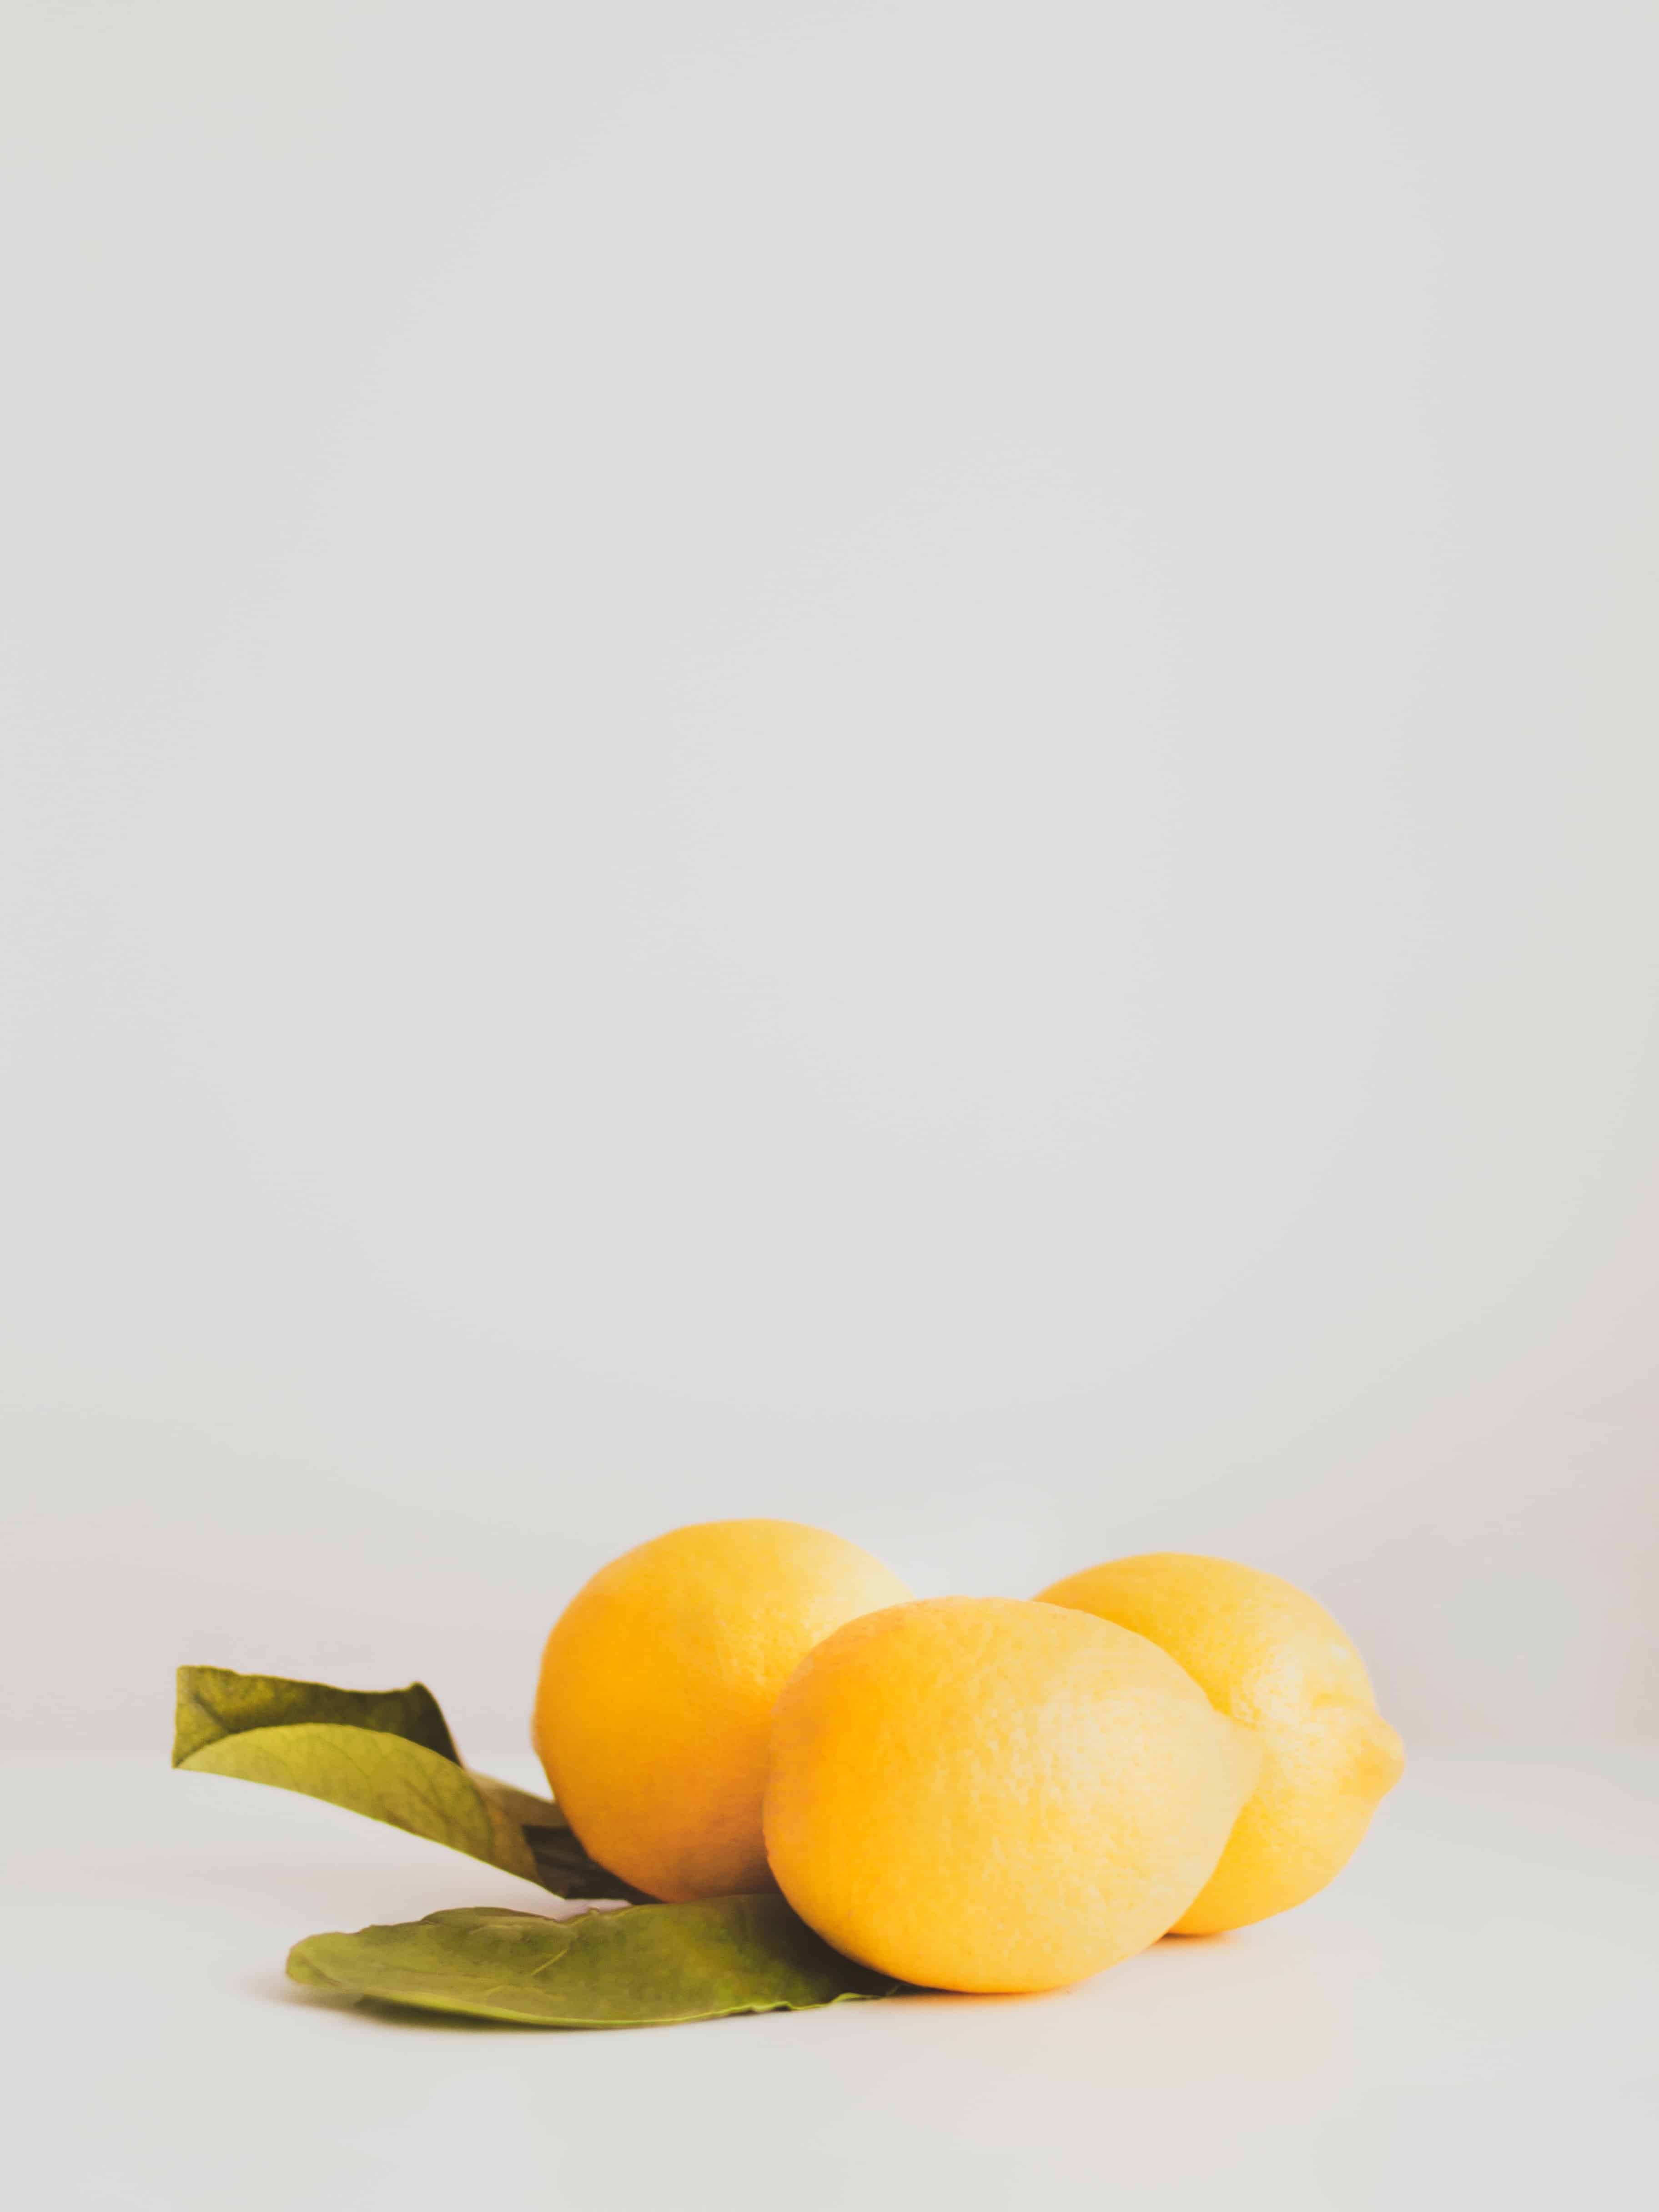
[[647, 1966], [385, 1777], [213, 1703], [388, 1755]]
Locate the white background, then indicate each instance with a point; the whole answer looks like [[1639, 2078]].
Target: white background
[[893, 763]]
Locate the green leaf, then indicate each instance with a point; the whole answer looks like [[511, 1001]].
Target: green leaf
[[645, 1966], [213, 1703], [385, 1777], [385, 1753]]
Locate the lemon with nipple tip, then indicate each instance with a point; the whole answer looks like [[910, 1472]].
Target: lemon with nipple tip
[[1269, 1656]]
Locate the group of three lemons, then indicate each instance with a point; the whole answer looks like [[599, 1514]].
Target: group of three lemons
[[985, 1794]]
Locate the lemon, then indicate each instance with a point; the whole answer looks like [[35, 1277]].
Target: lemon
[[1268, 1655], [657, 1686], [988, 1794]]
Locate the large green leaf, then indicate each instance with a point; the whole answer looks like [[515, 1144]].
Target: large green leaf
[[385, 1753], [646, 1966]]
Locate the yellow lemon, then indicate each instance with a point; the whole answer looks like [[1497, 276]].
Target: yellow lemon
[[1267, 1656], [987, 1793], [657, 1686]]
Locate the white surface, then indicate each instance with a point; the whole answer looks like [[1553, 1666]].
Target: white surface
[[1469, 2017], [889, 760]]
